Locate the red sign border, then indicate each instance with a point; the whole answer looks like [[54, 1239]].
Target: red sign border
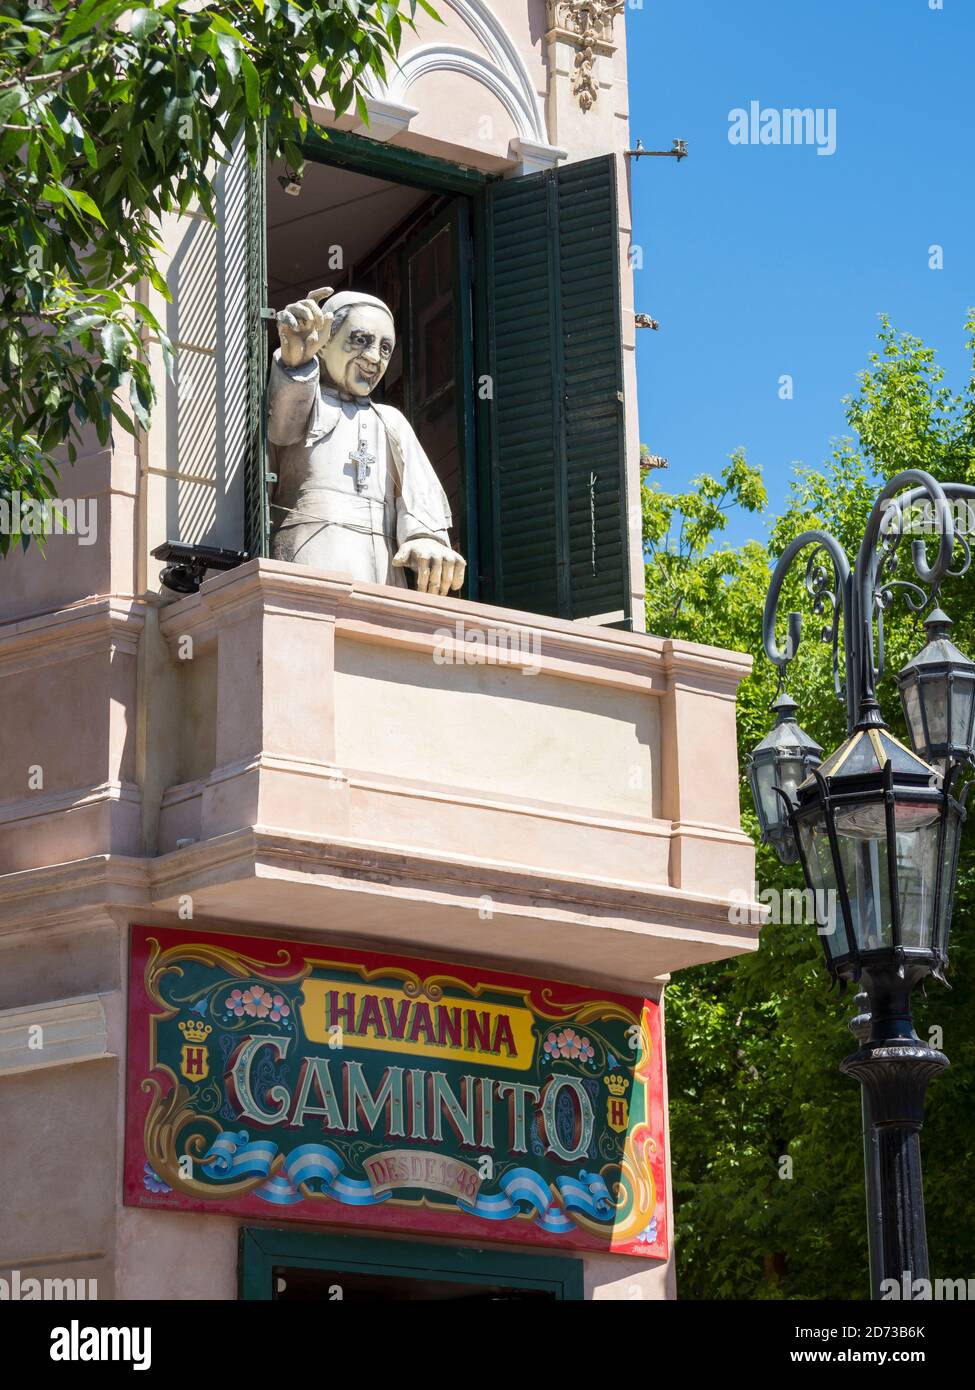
[[403, 1219]]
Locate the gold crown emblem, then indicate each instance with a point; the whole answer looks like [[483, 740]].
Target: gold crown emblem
[[617, 1084], [195, 1031]]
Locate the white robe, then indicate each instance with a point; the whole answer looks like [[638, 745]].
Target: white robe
[[317, 516]]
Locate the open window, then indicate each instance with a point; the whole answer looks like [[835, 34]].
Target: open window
[[408, 246], [508, 362]]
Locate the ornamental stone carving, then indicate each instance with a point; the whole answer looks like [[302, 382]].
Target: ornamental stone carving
[[588, 24]]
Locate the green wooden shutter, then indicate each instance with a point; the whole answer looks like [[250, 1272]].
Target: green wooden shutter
[[593, 427], [256, 515], [555, 352], [522, 347]]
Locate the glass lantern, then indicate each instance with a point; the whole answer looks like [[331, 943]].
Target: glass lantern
[[783, 759], [878, 837], [937, 690]]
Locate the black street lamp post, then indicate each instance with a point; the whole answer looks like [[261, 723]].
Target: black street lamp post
[[877, 826]]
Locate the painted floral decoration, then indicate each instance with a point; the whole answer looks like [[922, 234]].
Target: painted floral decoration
[[649, 1233], [568, 1043], [151, 1180], [257, 1002]]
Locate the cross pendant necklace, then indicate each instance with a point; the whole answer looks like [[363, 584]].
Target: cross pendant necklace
[[361, 457]]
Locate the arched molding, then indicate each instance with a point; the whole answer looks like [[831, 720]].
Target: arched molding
[[501, 69], [451, 58]]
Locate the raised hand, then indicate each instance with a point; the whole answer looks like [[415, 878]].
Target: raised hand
[[303, 328]]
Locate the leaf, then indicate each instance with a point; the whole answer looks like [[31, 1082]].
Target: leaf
[[169, 357], [230, 49], [52, 438], [293, 155], [113, 343], [123, 419], [252, 87], [11, 101], [86, 18], [144, 22], [140, 400], [115, 181], [342, 98], [157, 281], [84, 203]]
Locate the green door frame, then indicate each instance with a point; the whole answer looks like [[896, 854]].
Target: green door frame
[[382, 161], [372, 157], [262, 1249]]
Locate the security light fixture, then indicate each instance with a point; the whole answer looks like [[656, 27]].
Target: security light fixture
[[291, 183], [189, 563]]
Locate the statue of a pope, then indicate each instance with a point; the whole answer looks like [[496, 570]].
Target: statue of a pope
[[355, 491]]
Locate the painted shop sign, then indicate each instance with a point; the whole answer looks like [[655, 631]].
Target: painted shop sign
[[285, 1081]]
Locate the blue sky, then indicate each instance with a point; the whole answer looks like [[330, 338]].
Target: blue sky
[[765, 260]]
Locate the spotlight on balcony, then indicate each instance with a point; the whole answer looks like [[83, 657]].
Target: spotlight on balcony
[[189, 563]]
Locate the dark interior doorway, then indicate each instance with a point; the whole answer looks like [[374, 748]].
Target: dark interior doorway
[[317, 1266], [330, 1285]]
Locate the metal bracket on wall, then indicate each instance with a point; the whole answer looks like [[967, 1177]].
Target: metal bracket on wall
[[677, 151]]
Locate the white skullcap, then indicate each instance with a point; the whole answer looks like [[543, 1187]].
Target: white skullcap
[[345, 299]]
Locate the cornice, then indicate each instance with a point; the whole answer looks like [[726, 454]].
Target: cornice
[[688, 660], [55, 802], [425, 622], [53, 1034], [79, 890], [105, 621], [89, 892], [395, 868]]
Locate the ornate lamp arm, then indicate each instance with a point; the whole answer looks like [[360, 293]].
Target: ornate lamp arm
[[839, 595], [953, 491], [879, 543], [862, 594]]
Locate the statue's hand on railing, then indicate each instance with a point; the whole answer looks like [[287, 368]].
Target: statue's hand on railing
[[438, 569]]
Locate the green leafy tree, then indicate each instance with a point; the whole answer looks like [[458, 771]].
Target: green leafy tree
[[113, 114], [754, 1043]]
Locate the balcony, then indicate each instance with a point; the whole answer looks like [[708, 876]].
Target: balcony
[[338, 757]]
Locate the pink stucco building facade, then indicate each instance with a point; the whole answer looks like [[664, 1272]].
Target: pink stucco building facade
[[288, 753]]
